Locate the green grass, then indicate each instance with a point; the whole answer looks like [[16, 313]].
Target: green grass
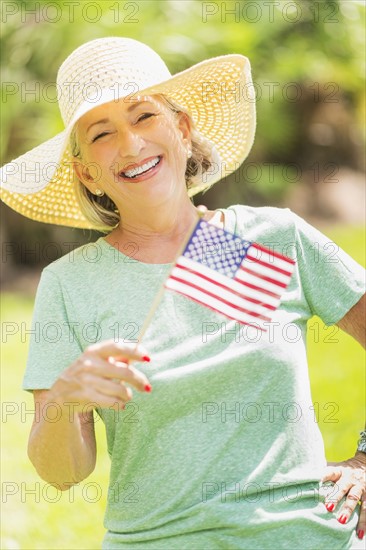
[[337, 368], [33, 521], [39, 520]]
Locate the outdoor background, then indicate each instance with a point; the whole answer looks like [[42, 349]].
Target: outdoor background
[[308, 67]]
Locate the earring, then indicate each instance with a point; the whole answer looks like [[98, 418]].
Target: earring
[[189, 153], [99, 192]]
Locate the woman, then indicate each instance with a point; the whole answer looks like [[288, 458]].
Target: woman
[[210, 433]]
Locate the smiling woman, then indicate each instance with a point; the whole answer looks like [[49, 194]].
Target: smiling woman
[[99, 209], [212, 439]]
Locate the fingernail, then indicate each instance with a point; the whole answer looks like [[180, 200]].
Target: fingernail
[[330, 506], [148, 387], [360, 534], [146, 358], [342, 519]]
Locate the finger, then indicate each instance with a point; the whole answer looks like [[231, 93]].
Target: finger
[[91, 363], [361, 525], [332, 473], [349, 505], [113, 348], [107, 387], [335, 492], [93, 399]]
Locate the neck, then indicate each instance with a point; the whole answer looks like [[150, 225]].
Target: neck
[[157, 230], [158, 221]]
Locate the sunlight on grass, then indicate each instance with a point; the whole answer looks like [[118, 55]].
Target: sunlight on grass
[[337, 368], [35, 515]]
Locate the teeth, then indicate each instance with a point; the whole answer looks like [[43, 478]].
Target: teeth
[[137, 171]]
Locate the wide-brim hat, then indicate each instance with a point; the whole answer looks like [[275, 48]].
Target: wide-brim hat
[[218, 93]]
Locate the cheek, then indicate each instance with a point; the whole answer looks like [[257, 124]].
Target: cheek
[[101, 156], [173, 141]]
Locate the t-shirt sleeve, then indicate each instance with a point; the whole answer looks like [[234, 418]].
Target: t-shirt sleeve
[[53, 343], [332, 281]]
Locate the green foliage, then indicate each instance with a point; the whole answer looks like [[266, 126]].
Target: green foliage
[[316, 42], [307, 63]]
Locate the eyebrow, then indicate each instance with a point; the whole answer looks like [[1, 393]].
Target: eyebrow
[[130, 108]]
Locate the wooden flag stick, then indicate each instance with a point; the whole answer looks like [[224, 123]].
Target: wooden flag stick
[[201, 210]]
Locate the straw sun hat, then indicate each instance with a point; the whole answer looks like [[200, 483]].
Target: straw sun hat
[[218, 93]]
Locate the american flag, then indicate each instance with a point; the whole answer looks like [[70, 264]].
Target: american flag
[[240, 279]]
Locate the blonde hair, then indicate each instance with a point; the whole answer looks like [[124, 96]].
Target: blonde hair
[[102, 212]]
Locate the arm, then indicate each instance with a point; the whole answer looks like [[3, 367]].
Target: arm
[[64, 451], [349, 475], [354, 321]]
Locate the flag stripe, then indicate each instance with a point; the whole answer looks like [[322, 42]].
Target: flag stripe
[[226, 294], [247, 278], [231, 284], [265, 271], [262, 277], [275, 254], [268, 265], [254, 297], [253, 313], [255, 287], [213, 303], [270, 259]]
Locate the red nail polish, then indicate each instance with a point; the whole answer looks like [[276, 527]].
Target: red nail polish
[[360, 534], [146, 358], [148, 387], [330, 506], [342, 519]]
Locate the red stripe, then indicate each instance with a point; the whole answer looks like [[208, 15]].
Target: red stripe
[[273, 253], [271, 266], [243, 310], [218, 310], [250, 285], [240, 294], [264, 277]]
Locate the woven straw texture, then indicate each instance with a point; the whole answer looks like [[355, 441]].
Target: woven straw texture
[[218, 93]]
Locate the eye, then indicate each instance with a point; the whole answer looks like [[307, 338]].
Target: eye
[[145, 116], [99, 136]]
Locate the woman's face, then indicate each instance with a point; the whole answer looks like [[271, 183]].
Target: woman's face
[[133, 149]]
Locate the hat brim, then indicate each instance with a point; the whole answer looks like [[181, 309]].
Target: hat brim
[[219, 95]]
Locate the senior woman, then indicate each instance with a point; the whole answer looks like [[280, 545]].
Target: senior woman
[[210, 428]]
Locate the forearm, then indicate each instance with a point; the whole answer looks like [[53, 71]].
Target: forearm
[[59, 451]]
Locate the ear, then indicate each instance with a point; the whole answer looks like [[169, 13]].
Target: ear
[[184, 125], [83, 174]]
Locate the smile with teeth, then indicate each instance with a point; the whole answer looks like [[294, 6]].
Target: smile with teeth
[[134, 172]]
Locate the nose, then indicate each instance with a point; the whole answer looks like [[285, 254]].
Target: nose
[[130, 142]]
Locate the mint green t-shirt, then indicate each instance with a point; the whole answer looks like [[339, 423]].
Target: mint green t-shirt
[[225, 452]]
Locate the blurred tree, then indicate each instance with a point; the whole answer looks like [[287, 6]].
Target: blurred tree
[[307, 60]]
